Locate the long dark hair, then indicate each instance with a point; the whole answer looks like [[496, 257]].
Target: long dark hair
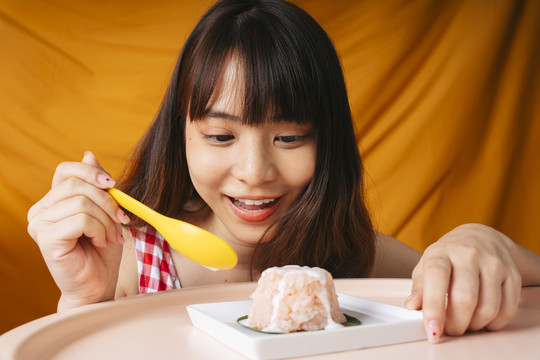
[[291, 69]]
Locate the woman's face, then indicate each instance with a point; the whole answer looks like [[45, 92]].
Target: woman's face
[[248, 175]]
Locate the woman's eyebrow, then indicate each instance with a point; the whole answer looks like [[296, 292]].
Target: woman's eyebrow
[[220, 115], [217, 114]]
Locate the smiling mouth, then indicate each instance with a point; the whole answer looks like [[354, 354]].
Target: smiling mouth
[[253, 205]]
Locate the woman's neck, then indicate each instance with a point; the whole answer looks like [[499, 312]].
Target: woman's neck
[[193, 274]]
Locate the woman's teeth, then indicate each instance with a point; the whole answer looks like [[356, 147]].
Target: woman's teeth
[[255, 202], [253, 205]]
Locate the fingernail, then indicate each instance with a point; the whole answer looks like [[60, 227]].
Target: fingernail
[[105, 180], [122, 217], [120, 238], [409, 298], [433, 331]]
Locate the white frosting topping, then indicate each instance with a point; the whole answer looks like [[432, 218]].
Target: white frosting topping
[[287, 271]]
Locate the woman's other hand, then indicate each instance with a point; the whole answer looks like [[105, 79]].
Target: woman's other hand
[[469, 280]]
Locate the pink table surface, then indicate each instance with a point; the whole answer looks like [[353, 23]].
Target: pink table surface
[[157, 326]]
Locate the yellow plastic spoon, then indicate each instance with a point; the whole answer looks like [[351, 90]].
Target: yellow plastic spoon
[[193, 242]]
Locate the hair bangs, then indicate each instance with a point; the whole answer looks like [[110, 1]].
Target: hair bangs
[[276, 84]]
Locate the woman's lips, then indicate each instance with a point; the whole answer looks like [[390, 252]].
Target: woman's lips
[[252, 210]]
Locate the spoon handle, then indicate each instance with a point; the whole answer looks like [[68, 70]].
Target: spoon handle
[[134, 206], [196, 244]]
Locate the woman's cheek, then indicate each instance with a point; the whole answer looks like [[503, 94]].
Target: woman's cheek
[[303, 166], [206, 168]]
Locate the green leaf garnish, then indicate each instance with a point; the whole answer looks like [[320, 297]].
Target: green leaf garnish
[[349, 321]]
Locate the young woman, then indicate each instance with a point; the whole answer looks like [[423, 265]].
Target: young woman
[[254, 142]]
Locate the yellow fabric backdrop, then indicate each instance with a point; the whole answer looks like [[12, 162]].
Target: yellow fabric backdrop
[[445, 95]]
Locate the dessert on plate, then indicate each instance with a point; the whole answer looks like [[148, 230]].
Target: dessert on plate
[[294, 298]]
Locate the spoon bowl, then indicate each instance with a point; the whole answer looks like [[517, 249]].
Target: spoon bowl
[[191, 241]]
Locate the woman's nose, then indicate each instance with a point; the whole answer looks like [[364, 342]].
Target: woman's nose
[[254, 163]]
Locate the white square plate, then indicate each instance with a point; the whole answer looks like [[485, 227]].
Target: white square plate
[[382, 324]]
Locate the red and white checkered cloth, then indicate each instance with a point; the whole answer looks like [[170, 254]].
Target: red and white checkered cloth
[[154, 263]]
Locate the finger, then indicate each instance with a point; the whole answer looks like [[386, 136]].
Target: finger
[[511, 290], [489, 301], [90, 159], [80, 204], [462, 300], [75, 187], [414, 300], [90, 173], [57, 240], [436, 278]]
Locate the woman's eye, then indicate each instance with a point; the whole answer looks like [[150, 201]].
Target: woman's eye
[[219, 138], [290, 139]]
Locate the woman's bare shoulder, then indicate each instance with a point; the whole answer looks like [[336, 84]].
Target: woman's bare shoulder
[[393, 259]]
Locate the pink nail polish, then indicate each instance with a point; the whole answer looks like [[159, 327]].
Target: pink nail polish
[[433, 331], [406, 301], [122, 217], [105, 180], [121, 239], [413, 301]]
